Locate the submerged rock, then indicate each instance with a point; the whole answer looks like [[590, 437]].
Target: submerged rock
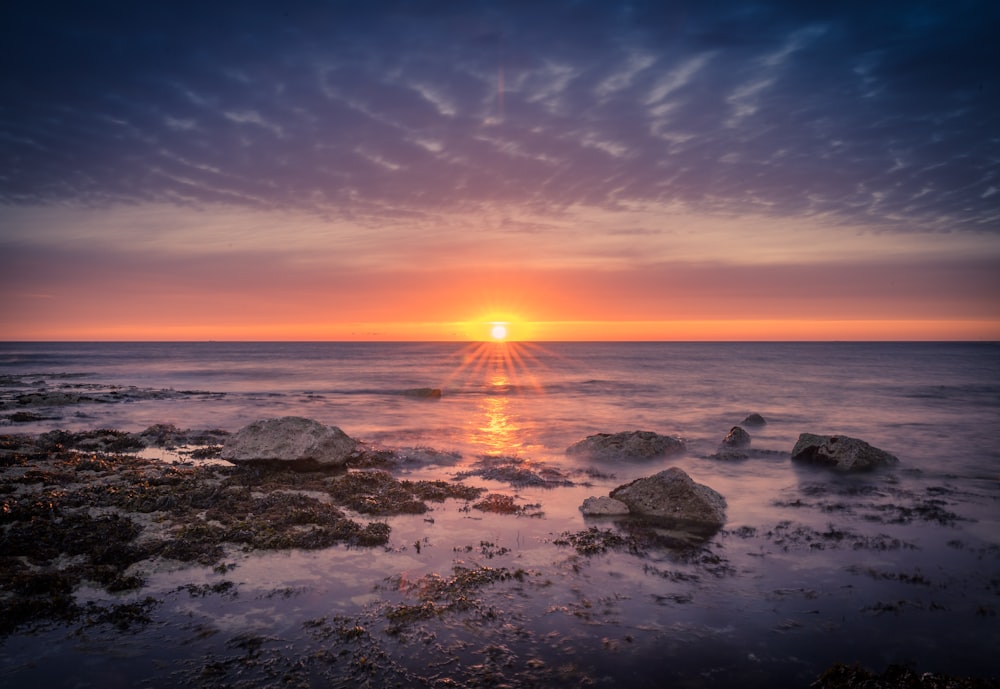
[[290, 440], [736, 438], [753, 419], [603, 506], [673, 495], [627, 445], [52, 398], [423, 393], [840, 452]]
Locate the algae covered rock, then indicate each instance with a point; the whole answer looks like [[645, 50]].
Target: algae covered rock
[[290, 441], [626, 445], [673, 495], [840, 452]]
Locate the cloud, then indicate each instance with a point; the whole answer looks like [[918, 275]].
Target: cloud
[[378, 111]]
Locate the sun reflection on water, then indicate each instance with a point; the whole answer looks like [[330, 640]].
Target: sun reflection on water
[[497, 432], [500, 372]]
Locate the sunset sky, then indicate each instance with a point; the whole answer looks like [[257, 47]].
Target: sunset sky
[[581, 170]]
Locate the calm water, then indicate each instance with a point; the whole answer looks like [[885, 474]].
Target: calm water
[[782, 612], [936, 404]]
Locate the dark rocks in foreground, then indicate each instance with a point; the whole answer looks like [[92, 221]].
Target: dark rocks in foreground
[[840, 452], [626, 445], [842, 676], [290, 441]]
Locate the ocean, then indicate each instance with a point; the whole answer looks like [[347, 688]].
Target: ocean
[[898, 566], [940, 402]]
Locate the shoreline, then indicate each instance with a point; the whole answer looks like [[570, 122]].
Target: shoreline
[[84, 517]]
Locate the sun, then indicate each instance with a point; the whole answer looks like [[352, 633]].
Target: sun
[[499, 331]]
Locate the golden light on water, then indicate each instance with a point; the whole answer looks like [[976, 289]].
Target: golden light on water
[[497, 430], [501, 371]]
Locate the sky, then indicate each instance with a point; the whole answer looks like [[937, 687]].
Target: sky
[[578, 170]]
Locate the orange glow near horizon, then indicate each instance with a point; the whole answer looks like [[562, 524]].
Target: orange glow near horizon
[[528, 331], [651, 303]]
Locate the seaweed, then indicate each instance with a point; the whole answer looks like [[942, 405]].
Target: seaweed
[[841, 676], [379, 493], [594, 541], [512, 470], [438, 596], [70, 516]]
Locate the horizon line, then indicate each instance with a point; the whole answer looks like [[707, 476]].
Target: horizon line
[[505, 342]]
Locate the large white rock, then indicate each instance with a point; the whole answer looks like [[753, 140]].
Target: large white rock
[[840, 452], [673, 495], [299, 442], [626, 445], [603, 506]]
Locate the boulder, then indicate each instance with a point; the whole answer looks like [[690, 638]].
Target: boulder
[[603, 506], [289, 441], [627, 445], [736, 438], [840, 452], [673, 496], [753, 419]]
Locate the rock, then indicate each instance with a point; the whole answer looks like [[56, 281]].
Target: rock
[[51, 399], [737, 437], [840, 452], [424, 393], [753, 419], [162, 435], [27, 417], [169, 436], [603, 506], [627, 445], [290, 441], [730, 454], [672, 495]]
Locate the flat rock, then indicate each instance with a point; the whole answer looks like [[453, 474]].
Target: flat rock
[[673, 495], [840, 452], [290, 440], [731, 454], [603, 506], [627, 445]]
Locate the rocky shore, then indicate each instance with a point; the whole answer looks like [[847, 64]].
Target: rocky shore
[[86, 511]]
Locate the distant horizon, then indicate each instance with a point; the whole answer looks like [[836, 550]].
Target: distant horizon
[[507, 342]]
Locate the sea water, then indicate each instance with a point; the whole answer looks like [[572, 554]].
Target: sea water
[[936, 403], [784, 608]]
